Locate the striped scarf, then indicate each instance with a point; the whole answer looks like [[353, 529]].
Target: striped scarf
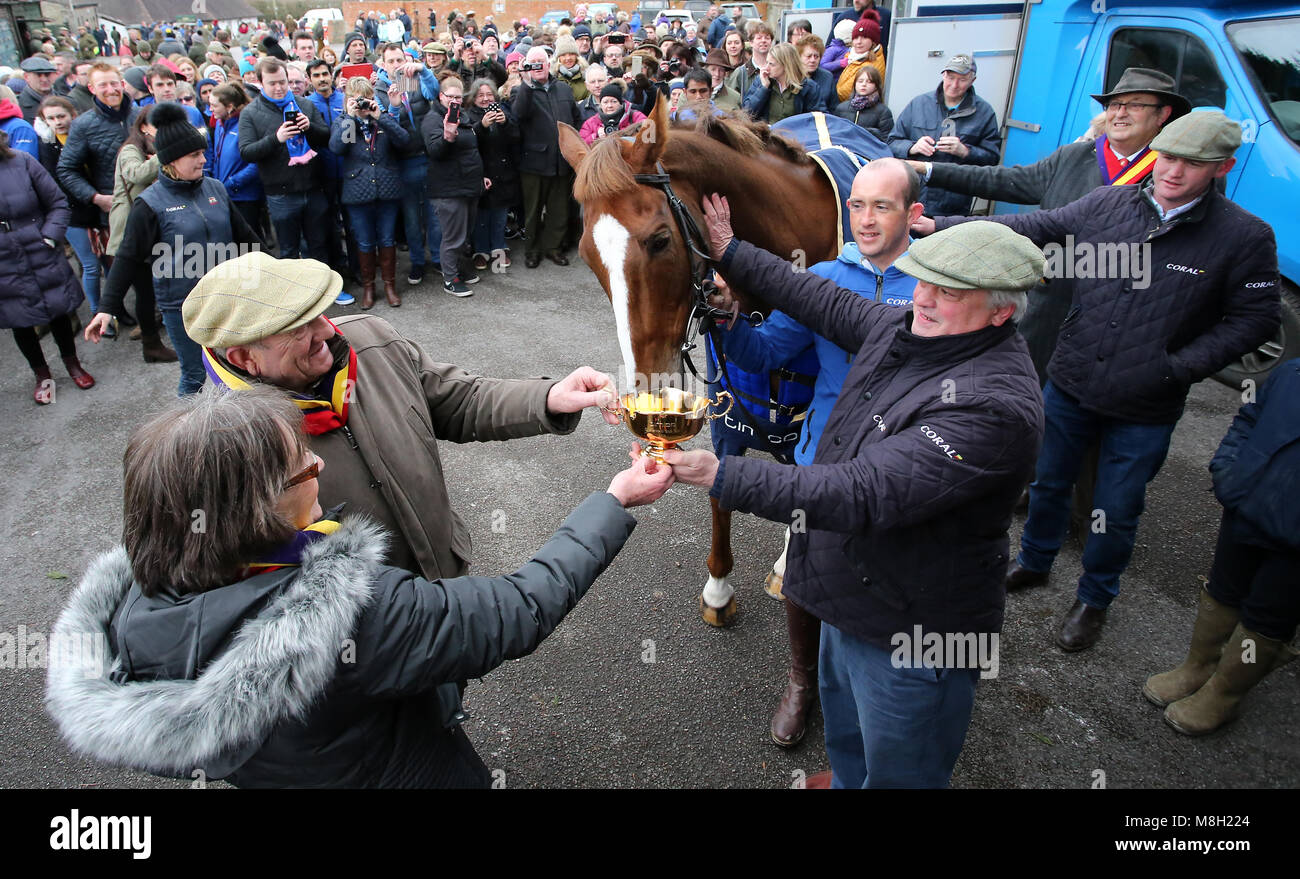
[[290, 554], [1115, 174]]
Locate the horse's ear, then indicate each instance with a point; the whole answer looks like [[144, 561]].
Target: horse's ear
[[650, 139], [571, 145]]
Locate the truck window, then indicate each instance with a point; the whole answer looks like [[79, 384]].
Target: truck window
[[1268, 48], [1179, 54]]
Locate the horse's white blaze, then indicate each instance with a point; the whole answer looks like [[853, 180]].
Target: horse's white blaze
[[718, 591], [610, 238]]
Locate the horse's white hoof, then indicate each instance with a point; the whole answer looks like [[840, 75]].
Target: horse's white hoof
[[772, 585], [718, 617]]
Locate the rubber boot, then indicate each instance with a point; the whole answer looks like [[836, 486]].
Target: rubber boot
[[388, 271], [366, 265], [791, 718], [1214, 623], [1219, 701], [155, 351]]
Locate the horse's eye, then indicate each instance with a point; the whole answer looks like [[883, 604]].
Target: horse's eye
[[659, 243]]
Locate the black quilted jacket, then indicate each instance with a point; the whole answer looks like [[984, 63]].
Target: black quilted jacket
[[901, 520], [1131, 351]]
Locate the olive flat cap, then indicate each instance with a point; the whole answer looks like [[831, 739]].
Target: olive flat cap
[[979, 255], [253, 296], [1202, 135]]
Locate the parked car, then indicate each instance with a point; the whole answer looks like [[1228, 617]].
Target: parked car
[[555, 16]]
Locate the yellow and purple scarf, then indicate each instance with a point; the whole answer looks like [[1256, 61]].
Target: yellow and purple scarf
[[1114, 173]]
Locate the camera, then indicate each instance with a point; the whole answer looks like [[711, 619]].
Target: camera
[[611, 126], [536, 65], [617, 39], [365, 104], [675, 67]]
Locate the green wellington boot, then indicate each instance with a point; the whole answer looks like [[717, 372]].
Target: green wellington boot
[[1219, 701], [1214, 623]]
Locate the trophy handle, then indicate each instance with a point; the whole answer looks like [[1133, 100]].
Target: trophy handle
[[730, 402]]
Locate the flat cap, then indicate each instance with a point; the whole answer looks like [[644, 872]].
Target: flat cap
[[253, 296], [979, 255], [1202, 135], [36, 64]]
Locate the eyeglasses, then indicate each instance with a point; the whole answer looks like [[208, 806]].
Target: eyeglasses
[[1135, 105], [187, 99], [310, 473]]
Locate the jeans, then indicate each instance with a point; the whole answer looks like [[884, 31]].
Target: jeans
[[79, 238], [890, 727], [189, 352], [1130, 456], [490, 230], [373, 224], [415, 209], [298, 215]]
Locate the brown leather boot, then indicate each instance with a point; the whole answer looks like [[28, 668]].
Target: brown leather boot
[[791, 717], [155, 351], [366, 266], [388, 271]]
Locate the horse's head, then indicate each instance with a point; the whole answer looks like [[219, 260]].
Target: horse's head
[[631, 241]]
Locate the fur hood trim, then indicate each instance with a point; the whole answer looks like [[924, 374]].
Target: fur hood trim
[[276, 666]]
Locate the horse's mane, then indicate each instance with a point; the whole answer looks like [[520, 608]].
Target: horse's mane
[[605, 172]]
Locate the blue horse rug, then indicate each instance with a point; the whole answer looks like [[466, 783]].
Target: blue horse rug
[[775, 403]]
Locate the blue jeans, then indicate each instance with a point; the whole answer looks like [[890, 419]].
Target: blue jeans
[[415, 209], [890, 727], [189, 351], [297, 216], [1130, 456], [490, 230], [90, 268], [373, 224]]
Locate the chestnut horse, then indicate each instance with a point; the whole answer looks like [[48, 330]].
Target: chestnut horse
[[780, 200]]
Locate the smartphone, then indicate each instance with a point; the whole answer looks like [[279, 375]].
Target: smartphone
[[453, 114], [493, 107], [290, 115], [618, 39], [635, 66]]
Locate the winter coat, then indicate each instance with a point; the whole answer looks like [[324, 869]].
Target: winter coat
[[877, 120], [81, 216], [908, 501], [226, 165], [780, 338], [455, 166], [258, 123], [771, 104], [29, 101], [849, 75], [370, 163], [727, 98], [1132, 352], [1256, 469], [89, 159], [1067, 174], [833, 59], [132, 175], [411, 117], [974, 122], [825, 83], [499, 147], [537, 109], [486, 69], [385, 463], [81, 98], [593, 126], [36, 281], [248, 682], [202, 218], [331, 165], [576, 81]]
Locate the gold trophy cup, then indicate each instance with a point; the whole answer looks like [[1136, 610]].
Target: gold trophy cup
[[668, 417]]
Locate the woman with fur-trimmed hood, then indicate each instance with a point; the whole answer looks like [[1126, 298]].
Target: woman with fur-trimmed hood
[[242, 633]]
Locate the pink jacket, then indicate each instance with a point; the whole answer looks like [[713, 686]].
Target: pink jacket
[[592, 126]]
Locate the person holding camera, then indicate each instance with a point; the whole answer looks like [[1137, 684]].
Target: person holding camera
[[369, 142], [615, 114], [472, 64], [547, 179], [456, 180], [498, 144]]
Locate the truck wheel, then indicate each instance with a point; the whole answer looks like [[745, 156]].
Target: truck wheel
[[1284, 345]]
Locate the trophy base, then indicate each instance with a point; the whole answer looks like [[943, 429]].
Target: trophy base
[[656, 450]]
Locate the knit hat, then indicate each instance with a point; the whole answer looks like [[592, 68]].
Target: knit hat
[[246, 67], [566, 45], [514, 57], [581, 31], [208, 71], [868, 26], [843, 31], [134, 77], [198, 86], [348, 38], [612, 90], [176, 136], [255, 296]]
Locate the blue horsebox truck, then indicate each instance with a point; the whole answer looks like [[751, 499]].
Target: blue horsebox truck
[[1039, 63]]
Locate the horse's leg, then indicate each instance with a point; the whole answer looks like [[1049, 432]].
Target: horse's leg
[[776, 577], [718, 601]]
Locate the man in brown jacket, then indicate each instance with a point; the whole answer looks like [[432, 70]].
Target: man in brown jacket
[[374, 403]]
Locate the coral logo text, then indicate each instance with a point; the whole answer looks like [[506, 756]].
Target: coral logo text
[[944, 445]]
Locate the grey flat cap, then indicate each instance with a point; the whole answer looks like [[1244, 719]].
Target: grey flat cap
[[37, 65], [979, 255], [1202, 135]]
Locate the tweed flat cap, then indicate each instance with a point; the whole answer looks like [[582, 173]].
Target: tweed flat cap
[[1202, 135], [253, 296], [979, 255], [37, 65]]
